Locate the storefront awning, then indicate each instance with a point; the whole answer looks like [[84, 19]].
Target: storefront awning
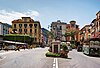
[[17, 43]]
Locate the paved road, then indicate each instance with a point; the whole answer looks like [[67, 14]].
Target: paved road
[[35, 58], [79, 60]]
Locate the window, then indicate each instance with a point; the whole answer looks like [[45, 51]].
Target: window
[[84, 30], [35, 31], [72, 25], [89, 30], [60, 27], [25, 19], [30, 30], [76, 26], [20, 25], [25, 25], [25, 30], [30, 25], [20, 30], [88, 36], [53, 27], [14, 30], [14, 25], [35, 25]]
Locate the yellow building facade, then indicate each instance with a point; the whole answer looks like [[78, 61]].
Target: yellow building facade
[[27, 26]]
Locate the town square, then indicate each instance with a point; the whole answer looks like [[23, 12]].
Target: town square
[[49, 34]]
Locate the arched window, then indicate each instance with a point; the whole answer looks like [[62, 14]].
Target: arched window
[[30, 25], [25, 25]]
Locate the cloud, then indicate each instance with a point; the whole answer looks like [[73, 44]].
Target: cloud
[[9, 16]]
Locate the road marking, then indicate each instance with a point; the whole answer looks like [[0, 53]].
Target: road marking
[[55, 63], [54, 60]]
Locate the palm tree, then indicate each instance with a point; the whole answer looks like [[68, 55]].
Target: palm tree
[[72, 34]]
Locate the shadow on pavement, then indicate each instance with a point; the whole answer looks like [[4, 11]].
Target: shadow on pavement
[[94, 56]]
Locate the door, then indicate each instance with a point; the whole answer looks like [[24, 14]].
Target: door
[[55, 48]]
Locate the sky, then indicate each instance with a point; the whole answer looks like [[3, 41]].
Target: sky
[[48, 11]]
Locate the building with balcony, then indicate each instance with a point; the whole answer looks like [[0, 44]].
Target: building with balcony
[[58, 29], [97, 25], [27, 26], [85, 33], [92, 28]]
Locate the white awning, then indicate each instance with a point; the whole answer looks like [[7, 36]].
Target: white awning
[[13, 42]]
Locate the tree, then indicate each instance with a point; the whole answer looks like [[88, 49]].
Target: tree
[[67, 34], [72, 34]]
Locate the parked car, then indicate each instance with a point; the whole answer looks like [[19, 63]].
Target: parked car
[[69, 48], [11, 47], [80, 48]]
